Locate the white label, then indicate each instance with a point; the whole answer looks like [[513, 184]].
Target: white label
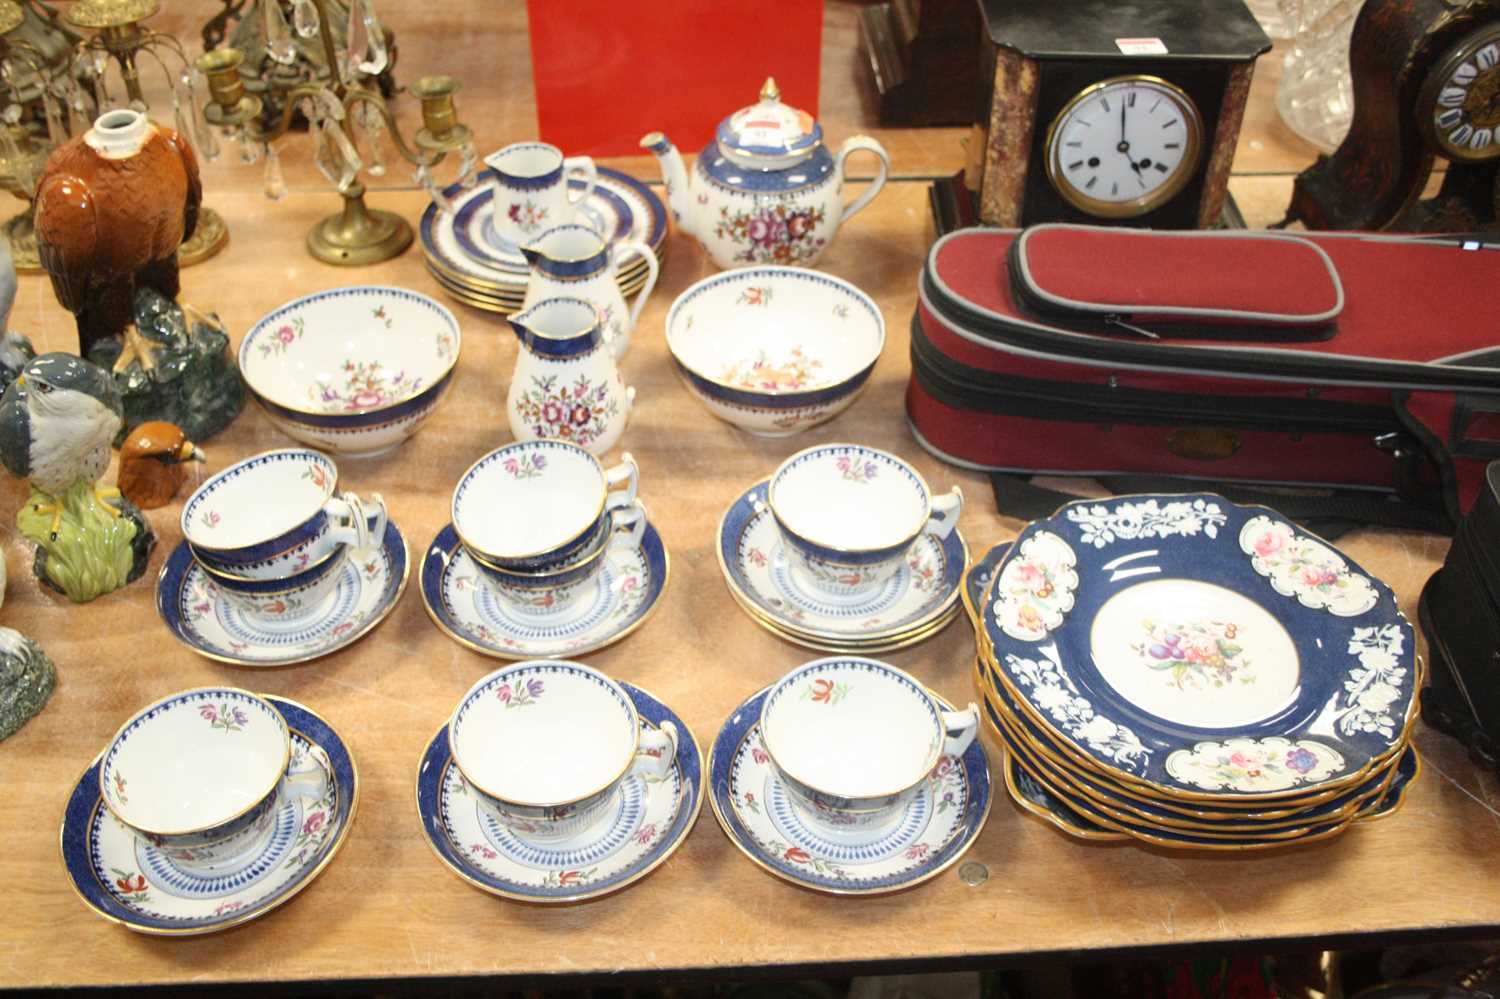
[[1141, 46]]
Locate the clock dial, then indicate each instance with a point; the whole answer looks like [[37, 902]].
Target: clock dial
[[1462, 98], [1124, 146]]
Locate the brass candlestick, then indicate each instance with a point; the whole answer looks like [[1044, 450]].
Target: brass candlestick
[[357, 235], [119, 36]]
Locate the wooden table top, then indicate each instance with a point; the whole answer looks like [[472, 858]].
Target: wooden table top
[[386, 908]]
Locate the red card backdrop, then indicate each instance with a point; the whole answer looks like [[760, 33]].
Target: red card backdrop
[[609, 72]]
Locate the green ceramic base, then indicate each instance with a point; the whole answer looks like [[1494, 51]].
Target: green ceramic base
[[27, 677], [93, 551], [195, 382]]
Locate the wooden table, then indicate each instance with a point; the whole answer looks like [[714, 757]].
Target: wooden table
[[385, 908]]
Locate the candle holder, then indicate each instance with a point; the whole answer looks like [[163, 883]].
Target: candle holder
[[118, 37], [339, 111], [42, 107]]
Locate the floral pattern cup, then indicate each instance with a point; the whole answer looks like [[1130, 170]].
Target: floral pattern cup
[[848, 515], [853, 741], [545, 744], [530, 185]]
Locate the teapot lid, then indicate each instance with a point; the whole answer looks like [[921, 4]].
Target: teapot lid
[[769, 135]]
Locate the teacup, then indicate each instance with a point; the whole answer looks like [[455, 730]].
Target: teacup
[[545, 745], [538, 506], [854, 740], [557, 589], [848, 515], [290, 597], [275, 514], [197, 774], [530, 190]]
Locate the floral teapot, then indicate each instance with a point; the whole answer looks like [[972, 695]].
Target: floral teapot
[[766, 190]]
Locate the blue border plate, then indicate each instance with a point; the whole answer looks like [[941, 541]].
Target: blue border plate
[[1354, 696], [180, 570], [539, 639], [809, 874], [89, 882], [433, 769]]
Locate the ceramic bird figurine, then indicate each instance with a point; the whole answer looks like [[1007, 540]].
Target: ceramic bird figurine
[[27, 677], [112, 206], [56, 424], [152, 463]]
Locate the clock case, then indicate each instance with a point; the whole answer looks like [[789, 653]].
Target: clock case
[[1221, 356], [1040, 54]]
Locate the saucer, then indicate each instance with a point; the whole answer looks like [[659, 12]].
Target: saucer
[[628, 589], [761, 578], [648, 822], [903, 641], [206, 622], [127, 880], [938, 827]]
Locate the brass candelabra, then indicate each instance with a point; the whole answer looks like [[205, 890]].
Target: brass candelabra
[[358, 235], [118, 37]]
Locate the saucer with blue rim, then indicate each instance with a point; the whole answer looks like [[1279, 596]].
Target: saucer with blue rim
[[761, 579], [627, 590], [198, 616], [124, 878], [646, 824], [750, 802]]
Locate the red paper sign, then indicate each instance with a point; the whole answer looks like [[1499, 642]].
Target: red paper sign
[[608, 72]]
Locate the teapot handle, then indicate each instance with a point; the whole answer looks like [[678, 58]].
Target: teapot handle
[[653, 271], [854, 144]]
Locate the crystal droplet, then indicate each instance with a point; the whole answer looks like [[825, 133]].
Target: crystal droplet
[[279, 44], [305, 18], [101, 62], [424, 180], [180, 122], [249, 151], [373, 125], [365, 44], [275, 182], [468, 173]]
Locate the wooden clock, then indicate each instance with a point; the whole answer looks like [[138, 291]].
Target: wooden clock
[[1426, 77], [1112, 113]]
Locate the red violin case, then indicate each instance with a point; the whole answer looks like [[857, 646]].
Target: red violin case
[[1329, 360]]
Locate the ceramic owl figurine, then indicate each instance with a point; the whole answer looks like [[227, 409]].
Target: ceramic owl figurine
[[57, 420]]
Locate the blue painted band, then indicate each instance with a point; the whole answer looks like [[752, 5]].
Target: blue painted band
[[421, 402], [774, 400], [726, 136], [286, 584], [813, 170]]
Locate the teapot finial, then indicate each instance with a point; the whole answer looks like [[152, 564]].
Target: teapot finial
[[769, 91]]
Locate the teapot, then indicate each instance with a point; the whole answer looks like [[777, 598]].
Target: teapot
[[766, 190]]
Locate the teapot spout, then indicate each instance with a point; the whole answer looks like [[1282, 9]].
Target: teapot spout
[[674, 174]]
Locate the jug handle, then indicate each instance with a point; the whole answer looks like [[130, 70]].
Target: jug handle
[[653, 271], [862, 143]]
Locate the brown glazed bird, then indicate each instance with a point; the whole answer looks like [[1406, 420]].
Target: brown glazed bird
[[112, 207], [151, 463]]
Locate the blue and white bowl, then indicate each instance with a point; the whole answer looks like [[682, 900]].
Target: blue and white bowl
[[196, 773], [353, 370], [545, 744], [848, 514], [853, 739], [775, 350]]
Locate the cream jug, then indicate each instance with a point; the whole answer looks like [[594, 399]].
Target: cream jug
[[574, 261], [566, 385]]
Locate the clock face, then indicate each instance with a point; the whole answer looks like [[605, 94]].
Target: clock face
[[1124, 146], [1462, 98]]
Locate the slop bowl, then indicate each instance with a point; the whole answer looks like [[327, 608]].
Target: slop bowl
[[353, 371], [775, 350]]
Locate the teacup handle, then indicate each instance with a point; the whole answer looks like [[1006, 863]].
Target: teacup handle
[[376, 530], [632, 515], [349, 527], [309, 782], [626, 473], [655, 752], [585, 166], [945, 511], [959, 729], [653, 270], [854, 144]]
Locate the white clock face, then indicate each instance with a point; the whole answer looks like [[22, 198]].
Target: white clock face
[[1466, 106], [1124, 146]]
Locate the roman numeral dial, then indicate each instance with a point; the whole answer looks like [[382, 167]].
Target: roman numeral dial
[[1462, 98], [1124, 146]]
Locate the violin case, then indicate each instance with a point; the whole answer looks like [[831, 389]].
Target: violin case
[[1365, 363]]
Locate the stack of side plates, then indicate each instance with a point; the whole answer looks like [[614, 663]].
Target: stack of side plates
[[1194, 674], [917, 603], [466, 256]]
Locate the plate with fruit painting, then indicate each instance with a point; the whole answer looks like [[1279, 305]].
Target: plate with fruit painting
[[1187, 644]]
